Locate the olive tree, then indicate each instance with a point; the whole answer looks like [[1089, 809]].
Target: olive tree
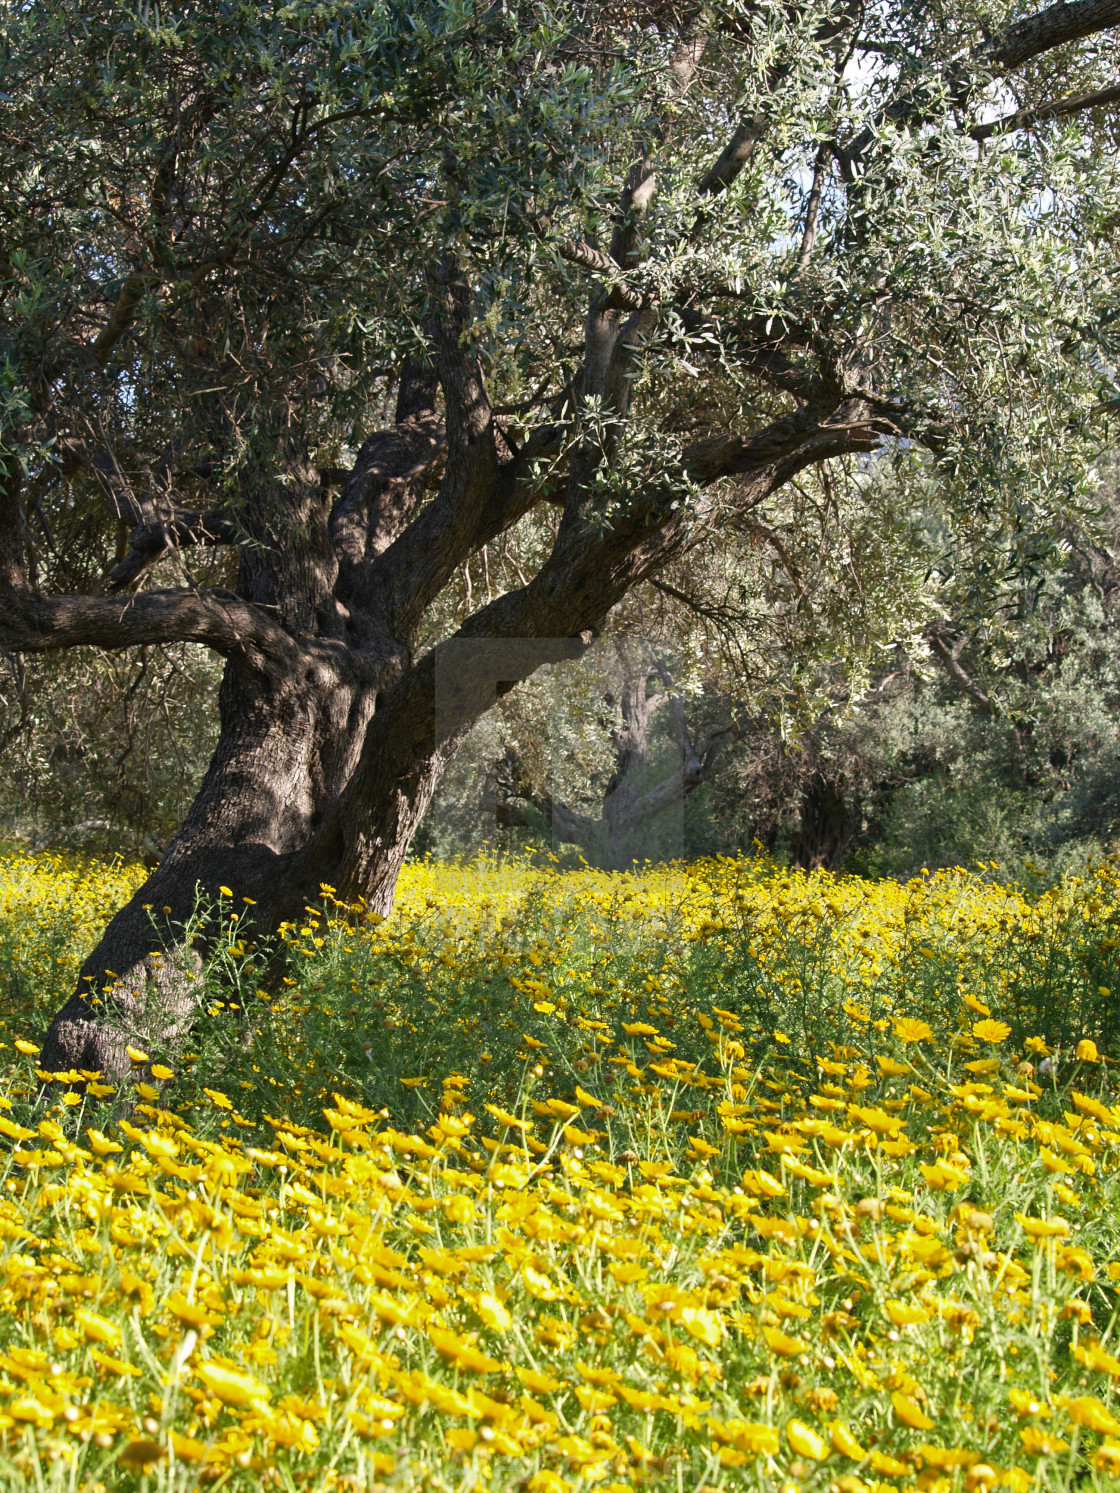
[[305, 308]]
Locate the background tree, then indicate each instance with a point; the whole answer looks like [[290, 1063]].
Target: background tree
[[792, 614], [660, 758], [999, 747], [104, 752], [228, 235]]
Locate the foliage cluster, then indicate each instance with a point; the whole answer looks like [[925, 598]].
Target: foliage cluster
[[918, 771], [104, 751]]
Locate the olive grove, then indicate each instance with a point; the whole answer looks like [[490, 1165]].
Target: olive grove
[[307, 309]]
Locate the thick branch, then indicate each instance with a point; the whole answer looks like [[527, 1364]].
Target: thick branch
[[619, 296], [812, 212], [1026, 39], [736, 155], [641, 183], [383, 491], [659, 799], [408, 576], [790, 443], [152, 539], [386, 488], [739, 151], [415, 567], [566, 824], [696, 766], [233, 628], [610, 349], [123, 315], [1050, 28]]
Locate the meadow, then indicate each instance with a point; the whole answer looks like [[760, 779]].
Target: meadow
[[717, 1176]]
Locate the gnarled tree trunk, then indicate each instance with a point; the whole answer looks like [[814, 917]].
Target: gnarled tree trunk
[[332, 740]]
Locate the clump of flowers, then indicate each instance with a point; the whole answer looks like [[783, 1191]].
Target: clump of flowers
[[714, 1176]]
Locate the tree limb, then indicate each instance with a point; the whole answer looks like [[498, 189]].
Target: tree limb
[[123, 315], [565, 823], [1060, 109], [407, 575], [809, 233], [739, 151], [735, 156], [1053, 27], [811, 433], [381, 493], [963, 680], [401, 587], [1020, 43], [233, 628], [588, 257], [153, 538]]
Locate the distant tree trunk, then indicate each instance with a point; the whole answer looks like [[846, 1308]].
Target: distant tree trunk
[[637, 798], [824, 832]]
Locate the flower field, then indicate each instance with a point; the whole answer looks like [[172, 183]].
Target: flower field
[[714, 1177]]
